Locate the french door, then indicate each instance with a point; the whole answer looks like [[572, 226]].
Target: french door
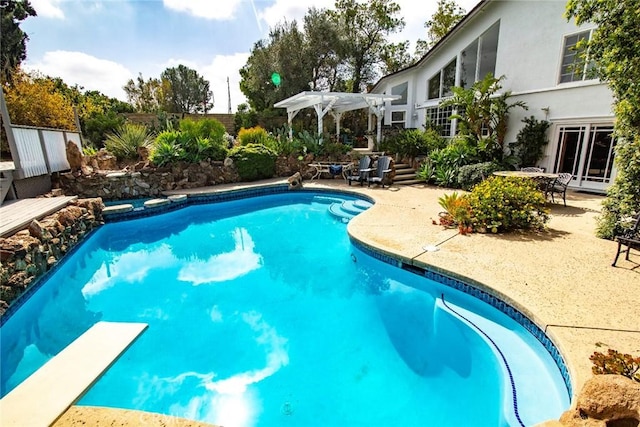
[[586, 152]]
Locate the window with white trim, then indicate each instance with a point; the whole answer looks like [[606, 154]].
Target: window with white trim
[[575, 64], [479, 58], [439, 86], [439, 118], [401, 90], [398, 119]]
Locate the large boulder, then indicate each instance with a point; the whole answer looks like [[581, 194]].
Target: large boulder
[[606, 401], [74, 156]]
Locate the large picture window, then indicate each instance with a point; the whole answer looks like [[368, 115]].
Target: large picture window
[[575, 65], [479, 58], [401, 90], [440, 85]]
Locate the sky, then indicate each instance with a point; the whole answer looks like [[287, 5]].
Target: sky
[[101, 44]]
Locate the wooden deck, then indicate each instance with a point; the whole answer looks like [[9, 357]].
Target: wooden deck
[[17, 214]]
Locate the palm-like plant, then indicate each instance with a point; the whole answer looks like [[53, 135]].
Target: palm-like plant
[[126, 140]]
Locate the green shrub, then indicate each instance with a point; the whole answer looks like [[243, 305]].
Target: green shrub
[[623, 197], [254, 135], [503, 204], [457, 212], [254, 161], [126, 140], [194, 142], [427, 171], [530, 142], [211, 129], [334, 150], [470, 175], [167, 148], [98, 125], [410, 143]]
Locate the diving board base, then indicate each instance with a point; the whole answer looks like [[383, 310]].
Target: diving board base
[[51, 390]]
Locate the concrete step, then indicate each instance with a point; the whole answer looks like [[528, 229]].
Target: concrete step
[[408, 182]]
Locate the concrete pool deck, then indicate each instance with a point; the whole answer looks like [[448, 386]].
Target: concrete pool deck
[[561, 278]]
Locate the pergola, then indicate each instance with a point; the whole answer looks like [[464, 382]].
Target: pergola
[[337, 103]]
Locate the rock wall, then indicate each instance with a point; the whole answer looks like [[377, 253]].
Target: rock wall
[[144, 180], [31, 252]]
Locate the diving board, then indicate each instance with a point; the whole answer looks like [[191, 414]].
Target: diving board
[[50, 391]]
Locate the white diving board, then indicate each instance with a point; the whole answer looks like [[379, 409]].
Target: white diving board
[[51, 390]]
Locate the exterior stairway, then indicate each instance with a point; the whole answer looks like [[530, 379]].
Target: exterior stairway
[[405, 175]]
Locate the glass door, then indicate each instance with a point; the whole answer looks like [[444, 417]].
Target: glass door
[[586, 152]]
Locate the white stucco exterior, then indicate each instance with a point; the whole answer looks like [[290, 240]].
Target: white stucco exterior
[[529, 53]]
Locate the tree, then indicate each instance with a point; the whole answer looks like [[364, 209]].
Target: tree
[[446, 16], [185, 91], [395, 56], [33, 100], [13, 46], [146, 96], [322, 43], [615, 50], [365, 27]]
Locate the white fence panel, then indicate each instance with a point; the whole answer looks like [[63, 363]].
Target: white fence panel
[[56, 148], [30, 153]]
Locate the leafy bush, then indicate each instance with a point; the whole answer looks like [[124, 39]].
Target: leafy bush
[[530, 142], [505, 204], [98, 125], [457, 212], [194, 142], [623, 197], [334, 150], [254, 135], [616, 363], [411, 143], [448, 161], [470, 175], [126, 140], [254, 161], [426, 172]]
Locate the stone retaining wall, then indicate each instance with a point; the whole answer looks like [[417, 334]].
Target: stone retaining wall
[[31, 252]]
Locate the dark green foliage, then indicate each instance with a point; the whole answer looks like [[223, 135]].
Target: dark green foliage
[[530, 142], [98, 125], [185, 91], [254, 161], [334, 150], [245, 117], [470, 175], [13, 49], [410, 143], [195, 141], [504, 204]]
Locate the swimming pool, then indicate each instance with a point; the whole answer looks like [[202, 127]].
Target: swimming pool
[[261, 311]]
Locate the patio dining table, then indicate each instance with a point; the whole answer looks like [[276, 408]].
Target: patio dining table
[[543, 179], [333, 168]]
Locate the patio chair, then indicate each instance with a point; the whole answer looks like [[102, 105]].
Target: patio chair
[[559, 186], [381, 171], [531, 169], [362, 172], [630, 239]]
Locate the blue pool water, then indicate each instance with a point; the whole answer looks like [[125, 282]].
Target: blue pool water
[[261, 312]]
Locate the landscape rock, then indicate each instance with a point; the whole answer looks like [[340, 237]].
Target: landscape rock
[[74, 156]]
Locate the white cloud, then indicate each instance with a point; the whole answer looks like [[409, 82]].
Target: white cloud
[[48, 8], [208, 9], [85, 70], [290, 10]]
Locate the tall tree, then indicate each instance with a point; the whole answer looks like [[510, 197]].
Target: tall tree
[[395, 56], [446, 16], [13, 44], [284, 53], [615, 50], [365, 28], [185, 91], [145, 95], [322, 41]]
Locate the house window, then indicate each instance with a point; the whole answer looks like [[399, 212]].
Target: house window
[[401, 90], [439, 118], [575, 67], [440, 85], [398, 119], [479, 58]]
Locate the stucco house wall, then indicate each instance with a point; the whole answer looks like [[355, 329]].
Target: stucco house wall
[[531, 40]]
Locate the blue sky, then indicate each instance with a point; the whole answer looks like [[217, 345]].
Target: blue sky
[[101, 44]]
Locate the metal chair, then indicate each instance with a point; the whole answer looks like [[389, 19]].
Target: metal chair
[[559, 186], [630, 239]]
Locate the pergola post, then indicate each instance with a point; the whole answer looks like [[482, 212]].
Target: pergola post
[[337, 117], [290, 116]]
